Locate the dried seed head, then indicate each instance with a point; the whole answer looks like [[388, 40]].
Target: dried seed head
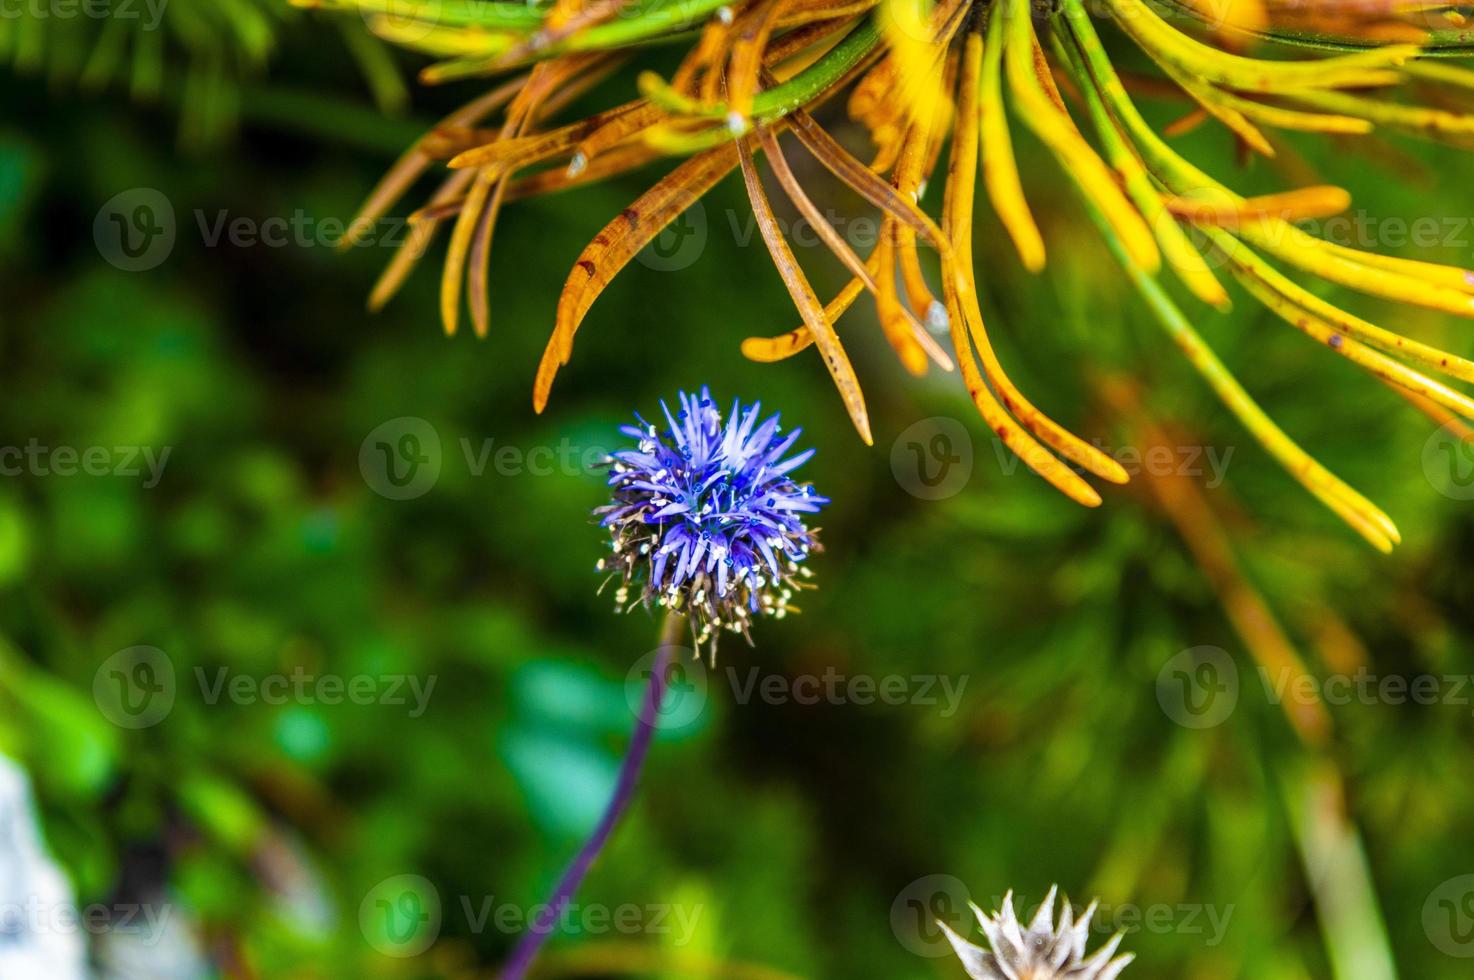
[[1046, 950]]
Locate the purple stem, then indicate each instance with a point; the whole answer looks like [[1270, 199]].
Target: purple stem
[[624, 792]]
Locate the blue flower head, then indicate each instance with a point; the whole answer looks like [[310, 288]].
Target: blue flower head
[[705, 517]]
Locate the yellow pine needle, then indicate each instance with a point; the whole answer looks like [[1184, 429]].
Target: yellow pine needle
[[1212, 102], [907, 179], [440, 40], [510, 154], [961, 189], [1434, 71], [1375, 362], [1045, 74], [918, 292], [830, 349], [479, 263], [1361, 514], [1000, 171], [1416, 119], [460, 245], [1276, 236], [1235, 111], [1278, 116], [408, 255], [888, 307], [1240, 15], [1345, 267], [770, 349], [1055, 129], [471, 237], [922, 343], [862, 180], [1441, 417], [907, 28], [746, 62], [1186, 123], [1432, 273], [617, 161], [1363, 69], [1033, 455], [1185, 260], [618, 243], [673, 100], [1301, 204], [408, 168], [1246, 264], [912, 178]]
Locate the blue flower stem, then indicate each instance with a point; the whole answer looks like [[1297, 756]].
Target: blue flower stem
[[624, 792]]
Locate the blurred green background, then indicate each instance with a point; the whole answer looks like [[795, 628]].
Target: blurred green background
[[794, 839]]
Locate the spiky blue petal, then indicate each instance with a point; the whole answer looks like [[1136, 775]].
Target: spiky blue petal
[[705, 517]]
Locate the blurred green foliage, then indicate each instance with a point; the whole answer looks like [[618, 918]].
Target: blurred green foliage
[[789, 830]]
